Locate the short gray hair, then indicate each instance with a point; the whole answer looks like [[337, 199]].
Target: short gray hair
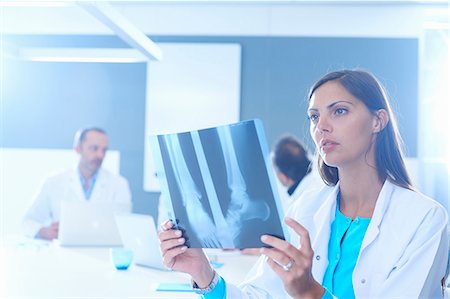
[[80, 135]]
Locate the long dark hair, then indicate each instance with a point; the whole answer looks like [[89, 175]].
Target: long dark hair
[[388, 151]]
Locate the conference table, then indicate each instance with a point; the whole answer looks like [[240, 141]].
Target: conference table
[[37, 269]]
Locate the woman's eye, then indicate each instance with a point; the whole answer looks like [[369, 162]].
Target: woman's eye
[[313, 117], [340, 111]]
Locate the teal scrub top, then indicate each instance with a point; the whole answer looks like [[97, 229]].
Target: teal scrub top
[[343, 251]]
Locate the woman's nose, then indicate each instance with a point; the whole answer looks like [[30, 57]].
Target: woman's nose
[[323, 125]]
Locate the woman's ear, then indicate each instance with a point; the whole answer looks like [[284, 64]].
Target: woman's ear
[[381, 120]]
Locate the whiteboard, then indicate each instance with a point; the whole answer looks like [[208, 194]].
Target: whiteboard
[[196, 85]]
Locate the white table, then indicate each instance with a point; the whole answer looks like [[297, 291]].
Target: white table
[[46, 270]]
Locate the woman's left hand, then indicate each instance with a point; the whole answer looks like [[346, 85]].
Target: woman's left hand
[[293, 265]]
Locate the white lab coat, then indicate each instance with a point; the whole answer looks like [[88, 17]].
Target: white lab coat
[[310, 182], [67, 186], [403, 255]]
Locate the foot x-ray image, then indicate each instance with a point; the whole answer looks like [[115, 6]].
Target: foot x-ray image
[[219, 185]]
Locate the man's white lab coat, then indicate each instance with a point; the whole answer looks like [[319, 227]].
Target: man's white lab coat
[[403, 255], [310, 182], [67, 186]]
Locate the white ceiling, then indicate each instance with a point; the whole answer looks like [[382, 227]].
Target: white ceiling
[[256, 18]]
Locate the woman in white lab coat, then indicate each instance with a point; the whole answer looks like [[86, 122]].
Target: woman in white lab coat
[[374, 236]]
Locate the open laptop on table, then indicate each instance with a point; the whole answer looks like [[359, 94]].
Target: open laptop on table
[[139, 234], [84, 223]]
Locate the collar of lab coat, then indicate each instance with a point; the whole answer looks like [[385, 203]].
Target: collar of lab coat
[[77, 188], [381, 206], [325, 216], [322, 222]]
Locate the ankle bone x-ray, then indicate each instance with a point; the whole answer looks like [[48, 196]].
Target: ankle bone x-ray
[[219, 186]]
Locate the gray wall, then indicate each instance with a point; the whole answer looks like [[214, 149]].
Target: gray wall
[[44, 103]]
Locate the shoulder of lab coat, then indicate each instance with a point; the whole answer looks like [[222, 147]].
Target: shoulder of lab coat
[[312, 182], [309, 185], [67, 186], [403, 255]]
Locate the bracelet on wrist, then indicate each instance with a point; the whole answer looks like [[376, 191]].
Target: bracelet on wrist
[[208, 288]]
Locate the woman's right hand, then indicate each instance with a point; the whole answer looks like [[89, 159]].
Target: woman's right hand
[[177, 256]]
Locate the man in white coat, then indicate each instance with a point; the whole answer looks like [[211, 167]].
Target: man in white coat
[[88, 181]]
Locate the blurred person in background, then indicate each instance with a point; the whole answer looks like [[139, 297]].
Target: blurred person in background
[[294, 170], [87, 182]]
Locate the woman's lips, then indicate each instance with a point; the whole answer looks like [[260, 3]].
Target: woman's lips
[[327, 146]]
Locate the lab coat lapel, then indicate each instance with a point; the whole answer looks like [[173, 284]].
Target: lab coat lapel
[[100, 187], [380, 208], [322, 222], [75, 188]]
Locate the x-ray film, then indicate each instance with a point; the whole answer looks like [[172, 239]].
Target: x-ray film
[[219, 186]]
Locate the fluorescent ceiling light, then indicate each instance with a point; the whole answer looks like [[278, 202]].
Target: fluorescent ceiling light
[[82, 55], [82, 59], [109, 16]]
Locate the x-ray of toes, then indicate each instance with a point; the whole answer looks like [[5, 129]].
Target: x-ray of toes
[[219, 185]]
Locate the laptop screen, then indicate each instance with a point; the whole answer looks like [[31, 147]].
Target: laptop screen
[[85, 223], [138, 233]]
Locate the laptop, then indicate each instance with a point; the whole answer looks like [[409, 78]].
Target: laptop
[[84, 223], [139, 234]]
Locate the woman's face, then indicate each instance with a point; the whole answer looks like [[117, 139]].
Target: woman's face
[[341, 125]]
